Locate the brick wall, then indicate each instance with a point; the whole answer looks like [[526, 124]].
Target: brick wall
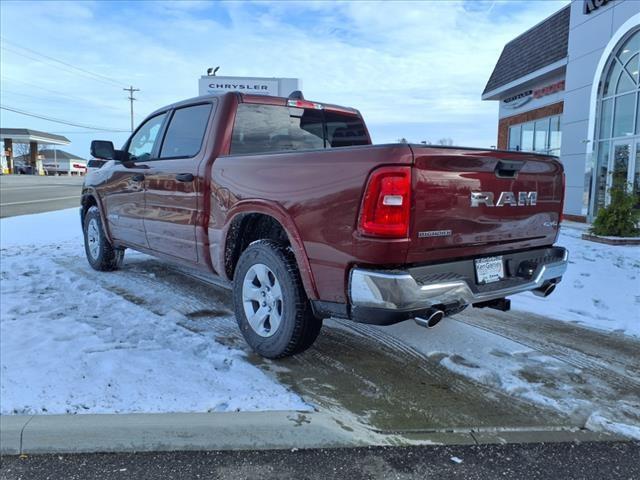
[[505, 123]]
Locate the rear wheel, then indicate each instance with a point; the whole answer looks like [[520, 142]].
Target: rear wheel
[[100, 253], [271, 307]]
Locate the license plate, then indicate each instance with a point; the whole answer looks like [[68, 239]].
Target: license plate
[[490, 269]]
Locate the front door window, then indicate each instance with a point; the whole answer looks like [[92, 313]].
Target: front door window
[[141, 145]]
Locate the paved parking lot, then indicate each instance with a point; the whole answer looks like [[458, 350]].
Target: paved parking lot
[[610, 460], [25, 194]]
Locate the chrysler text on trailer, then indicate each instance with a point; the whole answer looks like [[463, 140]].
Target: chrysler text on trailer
[[287, 202]]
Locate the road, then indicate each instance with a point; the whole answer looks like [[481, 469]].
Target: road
[[25, 194], [610, 460]]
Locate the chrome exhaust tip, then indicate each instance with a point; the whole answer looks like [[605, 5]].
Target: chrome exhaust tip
[[431, 320], [545, 290]]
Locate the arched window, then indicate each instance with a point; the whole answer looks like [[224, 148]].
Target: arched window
[[618, 126]]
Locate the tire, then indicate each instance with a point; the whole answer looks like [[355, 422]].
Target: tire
[[267, 283], [100, 253]]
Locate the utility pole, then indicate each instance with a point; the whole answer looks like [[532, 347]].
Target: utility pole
[[131, 99]]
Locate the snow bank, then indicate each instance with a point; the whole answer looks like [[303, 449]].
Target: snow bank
[[601, 288], [42, 229], [73, 340]]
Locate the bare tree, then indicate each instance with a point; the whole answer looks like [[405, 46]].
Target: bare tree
[[20, 150], [403, 140], [445, 141]]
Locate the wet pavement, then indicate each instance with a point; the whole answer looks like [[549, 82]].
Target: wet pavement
[[382, 380]]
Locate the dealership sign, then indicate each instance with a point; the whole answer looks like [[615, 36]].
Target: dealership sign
[[518, 100], [210, 84], [591, 5]]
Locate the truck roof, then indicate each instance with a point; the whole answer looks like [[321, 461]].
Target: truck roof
[[248, 98]]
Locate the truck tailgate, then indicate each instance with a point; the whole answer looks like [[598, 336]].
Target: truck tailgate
[[517, 201]]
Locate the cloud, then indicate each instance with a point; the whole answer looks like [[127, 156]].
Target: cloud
[[414, 69]]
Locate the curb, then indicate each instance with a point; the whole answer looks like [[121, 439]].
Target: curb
[[169, 431], [629, 241], [88, 433]]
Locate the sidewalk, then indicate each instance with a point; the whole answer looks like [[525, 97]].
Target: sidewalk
[[39, 434]]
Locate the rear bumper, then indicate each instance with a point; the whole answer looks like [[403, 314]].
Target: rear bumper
[[401, 294]]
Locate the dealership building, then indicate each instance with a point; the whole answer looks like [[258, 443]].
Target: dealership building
[[569, 86]]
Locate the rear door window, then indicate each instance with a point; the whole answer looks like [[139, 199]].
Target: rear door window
[[186, 131], [345, 130], [271, 128]]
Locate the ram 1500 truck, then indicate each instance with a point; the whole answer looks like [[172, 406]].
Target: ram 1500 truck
[[287, 202]]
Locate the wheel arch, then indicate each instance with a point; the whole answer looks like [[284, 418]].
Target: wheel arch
[[250, 221], [90, 199]]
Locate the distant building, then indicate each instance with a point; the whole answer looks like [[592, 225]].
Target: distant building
[[56, 162], [570, 86], [19, 141]]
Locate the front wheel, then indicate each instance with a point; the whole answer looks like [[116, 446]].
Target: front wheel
[[271, 307], [100, 253]]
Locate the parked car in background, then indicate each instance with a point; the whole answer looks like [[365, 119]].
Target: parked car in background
[[22, 167], [95, 164], [287, 202]]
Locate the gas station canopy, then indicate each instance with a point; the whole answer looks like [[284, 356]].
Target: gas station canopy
[[33, 138], [25, 135]]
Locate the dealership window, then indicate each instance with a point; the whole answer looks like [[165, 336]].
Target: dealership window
[[542, 136], [618, 123], [515, 133]]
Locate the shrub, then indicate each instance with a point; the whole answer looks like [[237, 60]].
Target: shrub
[[621, 217]]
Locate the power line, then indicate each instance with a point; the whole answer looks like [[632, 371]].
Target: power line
[[69, 71], [97, 76], [89, 103], [58, 120], [40, 87]]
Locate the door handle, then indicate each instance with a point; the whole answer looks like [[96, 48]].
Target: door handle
[[184, 177], [138, 177]]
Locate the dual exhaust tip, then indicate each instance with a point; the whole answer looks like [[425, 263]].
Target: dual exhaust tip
[[430, 320]]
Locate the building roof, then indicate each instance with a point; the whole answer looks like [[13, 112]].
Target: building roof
[[26, 135], [538, 47], [50, 154]]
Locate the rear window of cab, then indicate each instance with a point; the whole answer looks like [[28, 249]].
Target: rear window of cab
[[271, 128]]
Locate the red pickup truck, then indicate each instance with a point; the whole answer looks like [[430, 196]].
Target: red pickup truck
[[287, 202]]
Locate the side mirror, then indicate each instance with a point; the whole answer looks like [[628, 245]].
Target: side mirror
[[102, 149]]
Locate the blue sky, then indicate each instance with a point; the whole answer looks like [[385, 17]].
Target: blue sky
[[414, 69]]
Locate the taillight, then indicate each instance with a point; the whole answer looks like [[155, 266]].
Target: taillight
[[386, 206]]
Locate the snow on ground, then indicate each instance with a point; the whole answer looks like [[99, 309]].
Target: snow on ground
[[601, 288], [578, 387], [68, 345]]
